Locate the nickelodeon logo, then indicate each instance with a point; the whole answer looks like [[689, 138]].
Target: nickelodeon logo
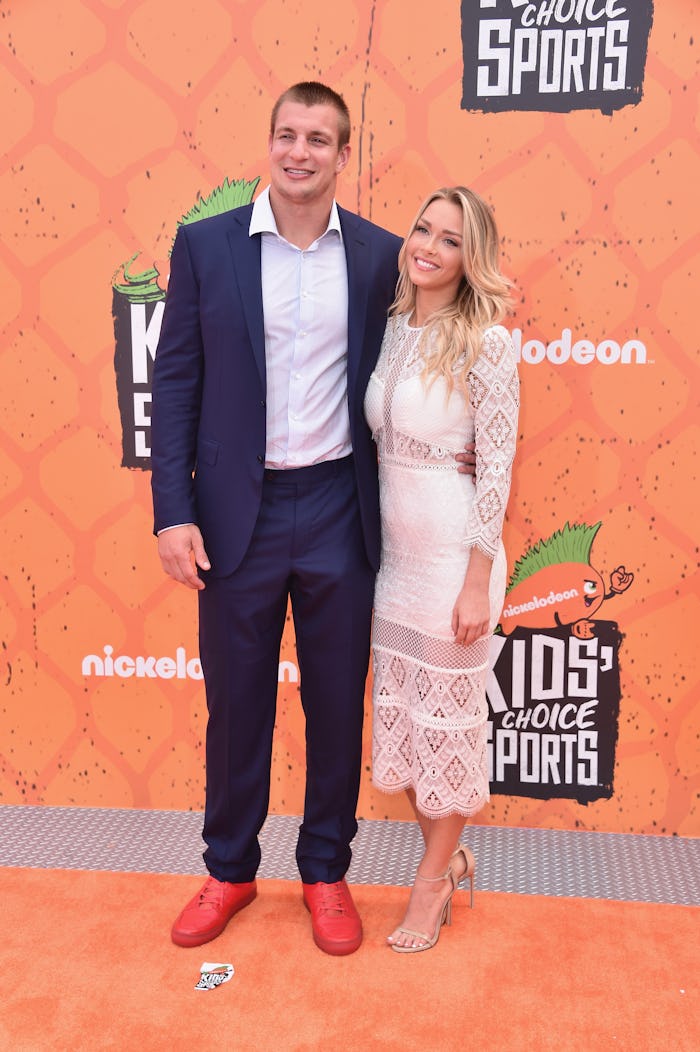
[[179, 667], [580, 352]]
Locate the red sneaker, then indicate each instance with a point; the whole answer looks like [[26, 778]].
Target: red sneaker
[[335, 922], [207, 914]]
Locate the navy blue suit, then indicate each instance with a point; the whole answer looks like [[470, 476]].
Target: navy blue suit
[[311, 534]]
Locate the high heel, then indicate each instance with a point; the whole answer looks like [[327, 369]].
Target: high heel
[[469, 869], [445, 917]]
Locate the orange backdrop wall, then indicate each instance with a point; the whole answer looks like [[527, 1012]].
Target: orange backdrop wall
[[116, 115]]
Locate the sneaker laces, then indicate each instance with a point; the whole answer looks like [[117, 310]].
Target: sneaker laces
[[332, 899], [211, 895]]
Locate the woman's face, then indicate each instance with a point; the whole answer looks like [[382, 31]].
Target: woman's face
[[434, 250]]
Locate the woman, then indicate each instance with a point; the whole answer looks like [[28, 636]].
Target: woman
[[446, 375]]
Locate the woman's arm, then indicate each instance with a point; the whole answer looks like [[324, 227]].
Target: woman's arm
[[494, 397]]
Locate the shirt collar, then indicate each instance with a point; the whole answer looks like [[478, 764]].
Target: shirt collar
[[262, 219]]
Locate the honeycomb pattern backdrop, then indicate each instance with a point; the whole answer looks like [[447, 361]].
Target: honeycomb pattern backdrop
[[115, 115]]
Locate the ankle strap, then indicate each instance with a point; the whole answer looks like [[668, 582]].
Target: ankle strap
[[433, 880]]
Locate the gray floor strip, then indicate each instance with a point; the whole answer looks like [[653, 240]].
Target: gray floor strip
[[522, 861]]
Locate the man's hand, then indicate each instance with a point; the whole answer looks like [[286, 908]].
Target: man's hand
[[181, 550], [466, 462]]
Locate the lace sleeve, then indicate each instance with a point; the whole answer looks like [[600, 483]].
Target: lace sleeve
[[494, 395]]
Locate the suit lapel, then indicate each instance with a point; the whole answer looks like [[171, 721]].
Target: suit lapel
[[245, 259], [357, 256]]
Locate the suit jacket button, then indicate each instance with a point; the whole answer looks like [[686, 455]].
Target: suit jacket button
[[262, 404], [261, 460]]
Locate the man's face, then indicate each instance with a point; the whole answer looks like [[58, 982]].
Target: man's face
[[304, 156]]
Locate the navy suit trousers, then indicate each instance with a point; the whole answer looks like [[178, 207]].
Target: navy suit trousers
[[307, 547]]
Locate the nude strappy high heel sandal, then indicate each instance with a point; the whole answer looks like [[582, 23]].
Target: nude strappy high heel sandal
[[445, 917], [470, 867]]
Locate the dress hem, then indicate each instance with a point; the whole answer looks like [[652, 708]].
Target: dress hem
[[394, 789]]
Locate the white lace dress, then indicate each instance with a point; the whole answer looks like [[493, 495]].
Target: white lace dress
[[430, 709]]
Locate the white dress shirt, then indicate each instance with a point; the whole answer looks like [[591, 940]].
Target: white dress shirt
[[305, 309]]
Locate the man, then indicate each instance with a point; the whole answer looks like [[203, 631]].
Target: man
[[273, 321]]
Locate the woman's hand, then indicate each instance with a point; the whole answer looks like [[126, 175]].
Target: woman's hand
[[471, 614]]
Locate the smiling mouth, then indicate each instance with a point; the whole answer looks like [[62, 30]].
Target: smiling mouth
[[424, 264], [298, 171]]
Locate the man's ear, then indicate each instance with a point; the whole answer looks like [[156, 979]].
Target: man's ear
[[343, 158]]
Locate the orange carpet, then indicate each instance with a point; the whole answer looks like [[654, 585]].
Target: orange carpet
[[86, 963]]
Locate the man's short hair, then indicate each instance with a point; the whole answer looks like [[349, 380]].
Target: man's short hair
[[313, 93]]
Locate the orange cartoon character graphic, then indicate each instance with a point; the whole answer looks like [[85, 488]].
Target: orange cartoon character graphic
[[554, 584]]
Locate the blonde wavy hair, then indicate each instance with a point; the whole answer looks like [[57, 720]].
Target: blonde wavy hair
[[452, 337]]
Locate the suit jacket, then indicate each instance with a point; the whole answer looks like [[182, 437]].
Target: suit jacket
[[208, 413]]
